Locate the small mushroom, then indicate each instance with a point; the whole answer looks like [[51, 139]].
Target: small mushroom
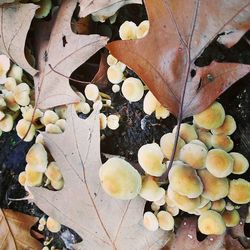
[[228, 127], [53, 172], [231, 218], [119, 179], [161, 201], [142, 29], [116, 88], [239, 191], [185, 181], [33, 178], [218, 205], [132, 89], [61, 123], [53, 129], [115, 74], [39, 139], [57, 185], [91, 92], [44, 10], [187, 132], [150, 221], [10, 84], [16, 72], [25, 130], [219, 163], [214, 188], [10, 101], [155, 207], [113, 122], [223, 142], [174, 211], [53, 225], [21, 94], [200, 210], [61, 111], [103, 121], [49, 116], [241, 163], [111, 60], [167, 144], [205, 137], [6, 124], [165, 220], [22, 178], [29, 114], [211, 222], [150, 158], [127, 30], [211, 118]]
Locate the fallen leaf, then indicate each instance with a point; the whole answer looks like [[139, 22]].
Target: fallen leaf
[[165, 58], [15, 22], [15, 231], [101, 221], [238, 233]]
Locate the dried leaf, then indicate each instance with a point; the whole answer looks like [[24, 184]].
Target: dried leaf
[[165, 58], [101, 221], [15, 231], [15, 22], [238, 233]]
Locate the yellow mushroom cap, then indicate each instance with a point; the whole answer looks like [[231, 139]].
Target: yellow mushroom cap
[[53, 225], [155, 207], [167, 145], [21, 94], [28, 113], [61, 111], [6, 124], [231, 218], [205, 137], [91, 92], [115, 74], [119, 179], [241, 163], [219, 163], [111, 60], [161, 112], [203, 202], [57, 185], [183, 202], [199, 211], [142, 29], [53, 129], [211, 118], [16, 72], [211, 222], [150, 221], [10, 84], [61, 123], [185, 181], [4, 67], [218, 205], [150, 158], [37, 158], [33, 178], [214, 188], [223, 142], [132, 89], [165, 220], [187, 132], [23, 127], [10, 100], [194, 155], [113, 122], [127, 30], [40, 139], [161, 201], [150, 189], [239, 191], [49, 116], [228, 127], [174, 211], [22, 178], [53, 172]]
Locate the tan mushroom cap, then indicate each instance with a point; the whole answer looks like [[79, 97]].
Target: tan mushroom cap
[[33, 178], [53, 225], [142, 29], [22, 178], [228, 127], [185, 181], [239, 191], [199, 211], [218, 205], [231, 218], [166, 220], [10, 84], [219, 163], [132, 89], [241, 163], [6, 124], [28, 113], [21, 94], [10, 101], [53, 172], [174, 211], [150, 221], [111, 60], [150, 158], [53, 129], [187, 132], [223, 142], [91, 92], [57, 185], [203, 202], [150, 189], [194, 155], [61, 123], [211, 222], [211, 118], [214, 188], [25, 130], [16, 72], [119, 179], [115, 74], [167, 145], [205, 137], [49, 116], [37, 158], [183, 202], [127, 30]]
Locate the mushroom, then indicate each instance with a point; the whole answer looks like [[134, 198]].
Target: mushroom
[[150, 221], [37, 158], [241, 163], [61, 123], [53, 129], [10, 84], [239, 191], [16, 72], [57, 185], [127, 30], [33, 178], [29, 114], [4, 67], [22, 178], [53, 225], [167, 144], [61, 111], [40, 139], [211, 118], [228, 127], [165, 220], [115, 74], [132, 89], [49, 116], [194, 155], [214, 188], [150, 190], [113, 122], [44, 10], [185, 181], [119, 179], [223, 142], [219, 163], [205, 137], [91, 92], [187, 132], [122, 66], [231, 218], [174, 211], [10, 101], [155, 207], [218, 205], [25, 130], [116, 88], [111, 60], [200, 210], [6, 123], [211, 222], [53, 172], [161, 201], [103, 121], [142, 29], [21, 94], [150, 158]]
